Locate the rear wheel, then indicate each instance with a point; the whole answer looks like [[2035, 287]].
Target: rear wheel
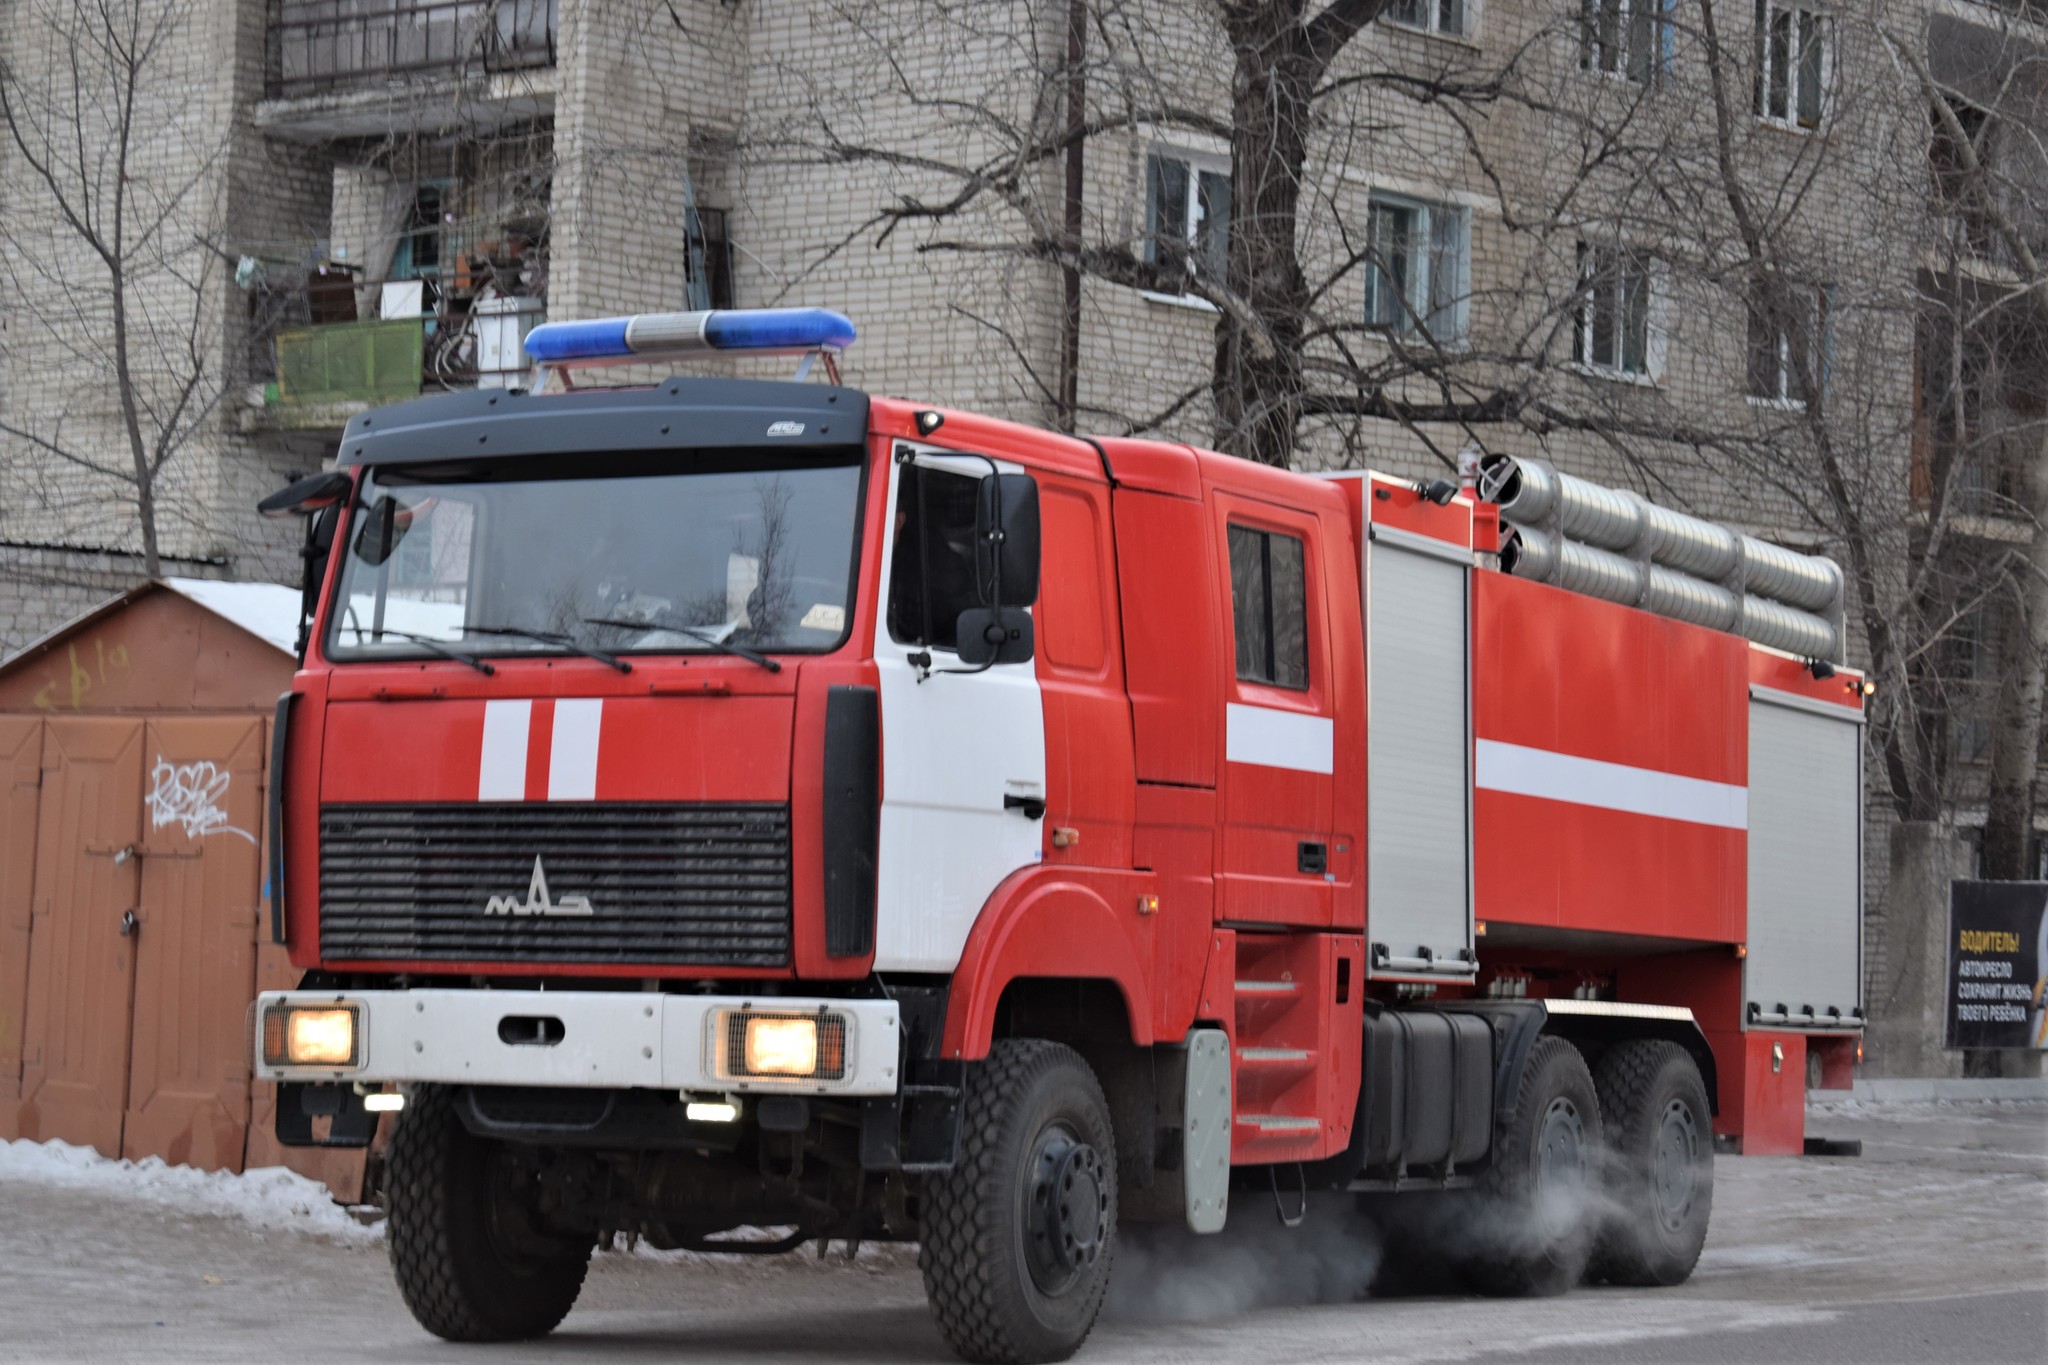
[[1660, 1164], [472, 1261], [1018, 1236], [1533, 1226]]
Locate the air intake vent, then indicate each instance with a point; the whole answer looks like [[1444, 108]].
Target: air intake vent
[[638, 884]]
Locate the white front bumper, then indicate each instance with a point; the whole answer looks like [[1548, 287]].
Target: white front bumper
[[610, 1040]]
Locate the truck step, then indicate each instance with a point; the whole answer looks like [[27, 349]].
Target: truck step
[[1280, 1123]]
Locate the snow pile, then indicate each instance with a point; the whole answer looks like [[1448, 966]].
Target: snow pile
[[268, 1198]]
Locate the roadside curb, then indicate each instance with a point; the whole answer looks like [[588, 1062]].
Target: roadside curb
[[1944, 1088]]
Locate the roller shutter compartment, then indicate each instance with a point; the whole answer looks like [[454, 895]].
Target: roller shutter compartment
[[1418, 764], [1805, 963]]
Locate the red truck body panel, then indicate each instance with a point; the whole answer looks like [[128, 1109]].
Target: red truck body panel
[[1204, 841]]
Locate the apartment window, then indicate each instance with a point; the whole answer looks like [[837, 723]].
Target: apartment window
[[1787, 343], [1187, 212], [1628, 38], [1418, 263], [1269, 603], [1949, 159], [707, 261], [419, 250], [1612, 330], [1791, 64], [1434, 16]]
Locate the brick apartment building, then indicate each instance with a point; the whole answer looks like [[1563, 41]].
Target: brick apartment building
[[1515, 221]]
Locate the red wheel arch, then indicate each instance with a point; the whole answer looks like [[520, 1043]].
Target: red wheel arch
[[1041, 924]]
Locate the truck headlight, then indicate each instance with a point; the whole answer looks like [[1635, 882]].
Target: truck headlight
[[310, 1035], [786, 1046]]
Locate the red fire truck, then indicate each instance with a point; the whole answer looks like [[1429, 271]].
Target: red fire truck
[[723, 804]]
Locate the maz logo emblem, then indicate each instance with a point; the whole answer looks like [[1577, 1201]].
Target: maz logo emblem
[[538, 902], [785, 428]]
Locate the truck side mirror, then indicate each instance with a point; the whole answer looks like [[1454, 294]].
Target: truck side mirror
[[1009, 503], [994, 635], [318, 498], [310, 494]]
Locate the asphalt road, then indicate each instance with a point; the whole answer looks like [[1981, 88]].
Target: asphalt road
[[1930, 1247]]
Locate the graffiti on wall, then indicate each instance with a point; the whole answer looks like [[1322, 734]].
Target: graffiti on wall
[[68, 693], [192, 795]]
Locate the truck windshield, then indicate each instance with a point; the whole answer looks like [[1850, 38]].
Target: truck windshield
[[736, 552]]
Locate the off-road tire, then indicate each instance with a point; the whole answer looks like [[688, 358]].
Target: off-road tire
[[974, 1218], [1658, 1217], [1522, 1245], [454, 1274]]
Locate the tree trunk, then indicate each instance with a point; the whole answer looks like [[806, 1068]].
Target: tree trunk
[[1258, 379], [131, 421], [2016, 733]]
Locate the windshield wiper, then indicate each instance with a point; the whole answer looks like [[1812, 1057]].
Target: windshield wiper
[[548, 637], [752, 656], [431, 643]]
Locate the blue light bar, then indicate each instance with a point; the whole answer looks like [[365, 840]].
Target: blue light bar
[[763, 331]]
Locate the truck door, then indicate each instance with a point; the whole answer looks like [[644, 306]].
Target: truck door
[[1279, 719], [963, 750]]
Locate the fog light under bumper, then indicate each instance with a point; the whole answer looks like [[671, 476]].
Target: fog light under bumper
[[310, 1035]]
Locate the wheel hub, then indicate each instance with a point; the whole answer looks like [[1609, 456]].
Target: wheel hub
[[1067, 1209], [1676, 1164], [1560, 1166]]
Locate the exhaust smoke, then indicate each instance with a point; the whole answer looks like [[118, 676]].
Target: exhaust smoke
[[1351, 1247]]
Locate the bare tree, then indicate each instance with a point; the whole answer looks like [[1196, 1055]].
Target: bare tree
[[110, 240], [1628, 166], [1989, 117]]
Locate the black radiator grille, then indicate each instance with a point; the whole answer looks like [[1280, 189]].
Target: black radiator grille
[[665, 885]]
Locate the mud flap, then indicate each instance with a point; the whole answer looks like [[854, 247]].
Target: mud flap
[[1205, 1163]]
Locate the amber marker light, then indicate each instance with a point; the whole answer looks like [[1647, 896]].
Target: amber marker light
[[782, 1047]]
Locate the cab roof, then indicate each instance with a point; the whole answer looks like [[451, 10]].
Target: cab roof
[[679, 413]]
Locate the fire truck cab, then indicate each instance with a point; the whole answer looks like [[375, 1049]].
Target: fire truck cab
[[720, 805]]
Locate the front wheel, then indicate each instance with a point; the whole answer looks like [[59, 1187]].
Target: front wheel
[[473, 1262], [1019, 1235]]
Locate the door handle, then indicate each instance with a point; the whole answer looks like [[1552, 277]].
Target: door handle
[[129, 924], [1032, 806]]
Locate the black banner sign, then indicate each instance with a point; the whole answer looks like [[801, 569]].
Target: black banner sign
[[1997, 964]]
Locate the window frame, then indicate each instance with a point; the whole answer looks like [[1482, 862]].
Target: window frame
[[1593, 277], [710, 252], [1195, 164], [1234, 525], [1418, 308], [1767, 71], [1432, 19], [1821, 324], [1662, 28]]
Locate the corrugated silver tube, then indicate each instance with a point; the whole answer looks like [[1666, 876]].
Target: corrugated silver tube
[[1612, 544]]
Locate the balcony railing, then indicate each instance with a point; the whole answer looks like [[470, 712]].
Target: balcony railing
[[321, 46]]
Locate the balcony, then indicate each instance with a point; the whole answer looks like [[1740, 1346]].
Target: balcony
[[356, 68], [313, 362]]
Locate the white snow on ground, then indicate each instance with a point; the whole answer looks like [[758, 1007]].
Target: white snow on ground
[[268, 1198], [272, 1198]]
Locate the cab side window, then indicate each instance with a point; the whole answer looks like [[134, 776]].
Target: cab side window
[[934, 545], [1268, 601]]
